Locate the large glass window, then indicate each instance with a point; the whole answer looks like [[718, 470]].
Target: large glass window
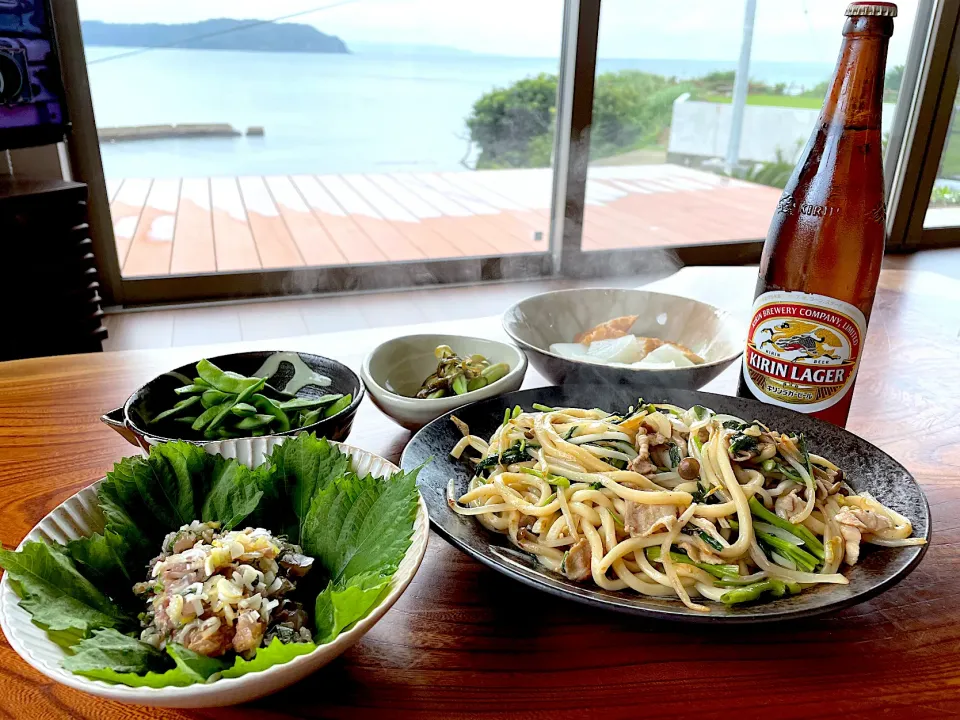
[[240, 135], [944, 207], [660, 169]]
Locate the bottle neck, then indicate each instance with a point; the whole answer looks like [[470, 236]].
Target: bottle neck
[[855, 95]]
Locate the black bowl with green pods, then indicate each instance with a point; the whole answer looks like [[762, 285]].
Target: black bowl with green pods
[[248, 394]]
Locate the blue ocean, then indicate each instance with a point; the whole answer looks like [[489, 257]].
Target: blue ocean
[[325, 113]]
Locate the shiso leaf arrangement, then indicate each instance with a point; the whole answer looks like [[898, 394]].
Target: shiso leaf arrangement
[[357, 529]]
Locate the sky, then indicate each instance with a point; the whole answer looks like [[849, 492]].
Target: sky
[[787, 30]]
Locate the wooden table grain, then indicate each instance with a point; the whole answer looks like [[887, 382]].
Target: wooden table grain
[[465, 642]]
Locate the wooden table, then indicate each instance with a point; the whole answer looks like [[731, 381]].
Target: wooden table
[[464, 641]]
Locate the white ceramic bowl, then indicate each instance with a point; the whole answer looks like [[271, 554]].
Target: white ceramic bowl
[[556, 317], [395, 370], [79, 516]]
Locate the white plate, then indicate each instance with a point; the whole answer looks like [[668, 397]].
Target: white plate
[[80, 516]]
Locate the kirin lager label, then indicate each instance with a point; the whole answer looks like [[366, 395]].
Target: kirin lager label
[[802, 350]]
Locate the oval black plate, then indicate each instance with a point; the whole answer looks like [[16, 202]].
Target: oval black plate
[[867, 469]]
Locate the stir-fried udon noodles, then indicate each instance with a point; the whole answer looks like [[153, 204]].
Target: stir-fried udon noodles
[[671, 502]]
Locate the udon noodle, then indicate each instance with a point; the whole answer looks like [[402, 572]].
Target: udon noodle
[[671, 502]]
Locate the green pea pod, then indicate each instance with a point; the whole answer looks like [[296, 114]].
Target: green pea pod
[[267, 407], [187, 420], [341, 404], [224, 410], [177, 409], [213, 397], [243, 410], [191, 389], [459, 384], [255, 421], [495, 372], [309, 418], [436, 394], [225, 381], [309, 403], [225, 433], [248, 392], [229, 404], [201, 382], [205, 417]]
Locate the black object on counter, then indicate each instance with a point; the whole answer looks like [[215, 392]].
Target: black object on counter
[[50, 278]]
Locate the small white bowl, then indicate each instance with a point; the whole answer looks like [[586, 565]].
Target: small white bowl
[[80, 516], [394, 371]]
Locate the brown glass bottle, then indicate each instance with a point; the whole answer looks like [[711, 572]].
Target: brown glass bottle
[[821, 259]]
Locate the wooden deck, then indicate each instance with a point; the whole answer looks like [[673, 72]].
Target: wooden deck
[[221, 224]]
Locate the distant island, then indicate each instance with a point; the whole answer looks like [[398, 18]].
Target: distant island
[[221, 34]]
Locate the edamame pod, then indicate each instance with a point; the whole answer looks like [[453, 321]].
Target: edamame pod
[[341, 404], [306, 403], [243, 409], [255, 421], [177, 409]]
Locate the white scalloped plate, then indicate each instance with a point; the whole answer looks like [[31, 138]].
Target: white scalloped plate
[[79, 516]]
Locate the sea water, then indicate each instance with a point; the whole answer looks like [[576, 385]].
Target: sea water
[[322, 113]]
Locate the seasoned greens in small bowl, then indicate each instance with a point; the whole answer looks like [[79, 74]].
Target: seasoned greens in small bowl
[[204, 570]]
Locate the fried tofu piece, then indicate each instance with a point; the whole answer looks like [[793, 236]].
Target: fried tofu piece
[[618, 327]]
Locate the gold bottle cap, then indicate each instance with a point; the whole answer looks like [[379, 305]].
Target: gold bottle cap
[[876, 9]]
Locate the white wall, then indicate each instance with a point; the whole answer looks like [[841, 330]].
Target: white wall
[[703, 128]]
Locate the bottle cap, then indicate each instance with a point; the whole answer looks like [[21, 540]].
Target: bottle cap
[[876, 9]]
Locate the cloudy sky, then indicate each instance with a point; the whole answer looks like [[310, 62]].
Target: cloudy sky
[[789, 30]]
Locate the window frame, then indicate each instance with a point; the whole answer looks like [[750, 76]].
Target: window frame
[[925, 126], [916, 145]]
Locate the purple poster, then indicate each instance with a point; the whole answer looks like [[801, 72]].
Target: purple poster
[[31, 99]]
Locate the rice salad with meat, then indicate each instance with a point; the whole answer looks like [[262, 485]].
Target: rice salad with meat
[[213, 592]]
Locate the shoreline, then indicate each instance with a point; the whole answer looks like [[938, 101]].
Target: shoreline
[[184, 130]]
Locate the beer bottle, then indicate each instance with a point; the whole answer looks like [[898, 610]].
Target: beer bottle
[[821, 259]]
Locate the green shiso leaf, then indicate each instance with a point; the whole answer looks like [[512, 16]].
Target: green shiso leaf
[[108, 648], [56, 595], [194, 665], [299, 468], [276, 653], [189, 669], [358, 529], [148, 497], [234, 494], [100, 558], [342, 604], [361, 525]]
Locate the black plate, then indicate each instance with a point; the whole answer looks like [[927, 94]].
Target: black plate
[[157, 395], [867, 468]]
